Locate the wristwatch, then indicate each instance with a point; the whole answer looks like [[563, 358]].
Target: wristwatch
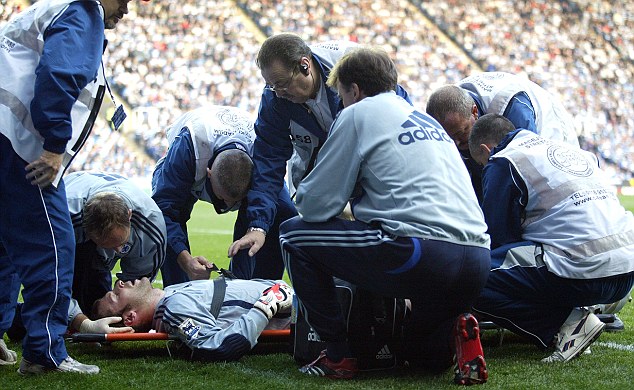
[[256, 229]]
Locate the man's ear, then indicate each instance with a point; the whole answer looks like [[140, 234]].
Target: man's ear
[[484, 153], [486, 149], [304, 66], [357, 93], [474, 111], [129, 214], [129, 317]]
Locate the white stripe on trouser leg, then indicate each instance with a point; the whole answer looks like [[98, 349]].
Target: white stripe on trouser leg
[[335, 238], [514, 324], [48, 314], [286, 258]]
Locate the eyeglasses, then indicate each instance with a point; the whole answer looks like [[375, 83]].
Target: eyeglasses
[[282, 87]]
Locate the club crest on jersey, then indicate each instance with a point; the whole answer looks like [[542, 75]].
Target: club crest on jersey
[[125, 248], [189, 329]]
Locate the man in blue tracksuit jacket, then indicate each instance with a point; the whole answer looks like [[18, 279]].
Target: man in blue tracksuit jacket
[[209, 159], [560, 239], [52, 85], [296, 111], [526, 104]]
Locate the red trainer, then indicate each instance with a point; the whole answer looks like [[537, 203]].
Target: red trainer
[[470, 365], [322, 366]]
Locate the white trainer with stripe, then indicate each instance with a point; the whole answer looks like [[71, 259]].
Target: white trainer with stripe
[[580, 330]]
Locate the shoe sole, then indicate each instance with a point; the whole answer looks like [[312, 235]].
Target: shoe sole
[[28, 373], [616, 326], [339, 374], [49, 370], [45, 370], [472, 373], [313, 369], [467, 338], [594, 334]]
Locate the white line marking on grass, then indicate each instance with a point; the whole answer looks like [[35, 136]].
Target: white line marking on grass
[[210, 231], [620, 347]]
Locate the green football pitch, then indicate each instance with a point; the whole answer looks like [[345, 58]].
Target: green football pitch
[[513, 363]]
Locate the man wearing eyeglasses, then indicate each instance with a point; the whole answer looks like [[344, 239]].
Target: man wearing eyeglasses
[[296, 111]]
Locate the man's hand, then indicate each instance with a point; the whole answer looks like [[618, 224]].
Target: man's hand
[[103, 326], [253, 240], [277, 298], [43, 171], [197, 268]]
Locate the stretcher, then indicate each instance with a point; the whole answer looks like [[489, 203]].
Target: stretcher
[[272, 335]]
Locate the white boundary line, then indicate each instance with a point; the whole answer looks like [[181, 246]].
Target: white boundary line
[[210, 231], [620, 347]]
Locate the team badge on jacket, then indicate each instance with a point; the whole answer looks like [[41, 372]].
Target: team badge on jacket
[[125, 248], [189, 329]]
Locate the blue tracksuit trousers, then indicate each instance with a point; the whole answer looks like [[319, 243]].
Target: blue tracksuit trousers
[[266, 264], [522, 295], [39, 244], [442, 279]]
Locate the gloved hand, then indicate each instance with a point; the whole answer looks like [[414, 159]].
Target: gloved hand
[[278, 297], [102, 325]]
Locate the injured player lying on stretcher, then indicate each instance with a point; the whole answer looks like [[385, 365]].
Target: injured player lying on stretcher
[[219, 319]]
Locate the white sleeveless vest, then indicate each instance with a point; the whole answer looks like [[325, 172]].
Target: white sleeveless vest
[[571, 209], [496, 89], [211, 128], [21, 46]]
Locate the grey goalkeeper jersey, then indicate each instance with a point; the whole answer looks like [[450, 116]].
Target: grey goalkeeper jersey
[[399, 169], [144, 252], [185, 311]]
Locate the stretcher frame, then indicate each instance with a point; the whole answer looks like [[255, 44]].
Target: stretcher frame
[[269, 335]]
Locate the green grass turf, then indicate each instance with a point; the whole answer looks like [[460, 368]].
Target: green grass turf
[[147, 365]]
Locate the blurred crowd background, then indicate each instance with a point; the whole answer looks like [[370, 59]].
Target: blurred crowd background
[[167, 57]]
